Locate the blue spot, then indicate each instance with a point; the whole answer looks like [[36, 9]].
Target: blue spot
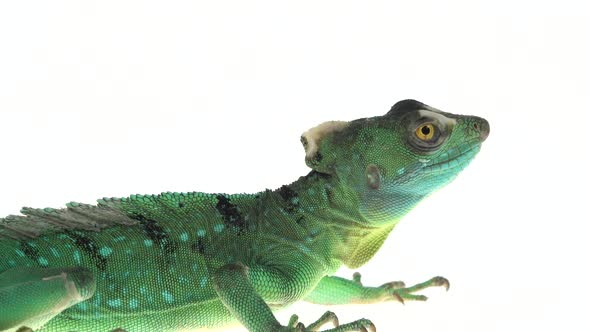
[[142, 290], [203, 282], [148, 243], [195, 267], [168, 297], [201, 232], [77, 257], [43, 261], [119, 239], [20, 253], [304, 248], [218, 228], [133, 303], [54, 252], [114, 303], [105, 251], [184, 237], [83, 306], [11, 263]]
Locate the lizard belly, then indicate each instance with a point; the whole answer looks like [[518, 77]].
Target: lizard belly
[[197, 316]]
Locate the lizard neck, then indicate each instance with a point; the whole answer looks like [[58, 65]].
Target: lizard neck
[[333, 210]]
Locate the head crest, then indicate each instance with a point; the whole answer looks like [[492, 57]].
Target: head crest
[[312, 140]]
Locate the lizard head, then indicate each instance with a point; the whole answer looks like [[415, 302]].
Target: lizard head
[[391, 162]]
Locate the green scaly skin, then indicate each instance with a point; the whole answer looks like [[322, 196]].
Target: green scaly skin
[[179, 261]]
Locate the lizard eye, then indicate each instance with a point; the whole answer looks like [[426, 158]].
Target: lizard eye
[[427, 136], [426, 132]]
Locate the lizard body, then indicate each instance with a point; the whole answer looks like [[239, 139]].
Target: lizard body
[[181, 261]]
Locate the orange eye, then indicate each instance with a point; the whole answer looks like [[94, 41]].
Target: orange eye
[[425, 132]]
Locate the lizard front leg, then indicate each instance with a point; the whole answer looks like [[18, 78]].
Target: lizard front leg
[[235, 290], [242, 290], [336, 290]]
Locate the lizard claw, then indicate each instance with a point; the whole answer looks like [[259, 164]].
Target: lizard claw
[[334, 319], [364, 325], [356, 277], [293, 321], [371, 328], [441, 281]]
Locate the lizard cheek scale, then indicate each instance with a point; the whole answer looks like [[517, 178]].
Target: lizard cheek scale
[[184, 261]]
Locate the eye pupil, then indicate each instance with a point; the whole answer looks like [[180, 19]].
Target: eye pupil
[[425, 130]]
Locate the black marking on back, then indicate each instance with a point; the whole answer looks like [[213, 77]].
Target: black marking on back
[[198, 246], [88, 246], [157, 234], [230, 212], [290, 197], [29, 250], [315, 176], [329, 195]]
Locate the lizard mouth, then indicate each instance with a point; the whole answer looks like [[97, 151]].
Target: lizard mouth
[[457, 157]]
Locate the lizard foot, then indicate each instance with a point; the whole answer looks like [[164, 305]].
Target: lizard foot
[[361, 325], [397, 291], [327, 317], [356, 277]]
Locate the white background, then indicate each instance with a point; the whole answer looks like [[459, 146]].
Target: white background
[[111, 98]]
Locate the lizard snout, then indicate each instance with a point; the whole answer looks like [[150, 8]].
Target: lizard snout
[[483, 127]]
